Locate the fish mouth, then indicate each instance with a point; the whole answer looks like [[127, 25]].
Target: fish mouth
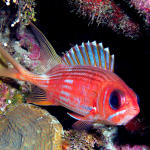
[[126, 119], [131, 113]]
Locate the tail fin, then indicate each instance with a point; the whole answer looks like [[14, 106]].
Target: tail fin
[[16, 72]]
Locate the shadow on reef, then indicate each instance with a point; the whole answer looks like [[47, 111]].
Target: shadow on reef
[[125, 137], [10, 82]]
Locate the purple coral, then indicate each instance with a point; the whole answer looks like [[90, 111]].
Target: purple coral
[[27, 40], [144, 7], [135, 147], [31, 57], [3, 96], [8, 96]]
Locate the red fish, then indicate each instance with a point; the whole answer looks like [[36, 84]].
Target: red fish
[[82, 81]]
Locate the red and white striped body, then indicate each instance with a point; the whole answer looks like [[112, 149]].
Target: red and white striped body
[[83, 89]]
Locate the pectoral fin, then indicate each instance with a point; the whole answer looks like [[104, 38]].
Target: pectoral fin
[[82, 123]]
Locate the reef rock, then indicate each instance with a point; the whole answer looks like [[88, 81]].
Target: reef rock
[[28, 127]]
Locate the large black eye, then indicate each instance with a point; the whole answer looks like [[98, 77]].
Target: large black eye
[[115, 100]]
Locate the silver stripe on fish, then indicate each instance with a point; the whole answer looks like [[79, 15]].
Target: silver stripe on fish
[[116, 114], [65, 93], [64, 99], [67, 87], [68, 81], [42, 85], [73, 116], [104, 102]]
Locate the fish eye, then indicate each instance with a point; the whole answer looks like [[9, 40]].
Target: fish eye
[[115, 100]]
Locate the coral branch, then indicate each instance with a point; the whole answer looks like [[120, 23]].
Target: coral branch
[[106, 12]]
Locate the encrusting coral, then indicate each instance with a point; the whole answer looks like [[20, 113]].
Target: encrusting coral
[[25, 10], [8, 96], [82, 140], [25, 127], [20, 43]]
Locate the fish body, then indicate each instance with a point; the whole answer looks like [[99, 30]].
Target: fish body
[[86, 91], [82, 81]]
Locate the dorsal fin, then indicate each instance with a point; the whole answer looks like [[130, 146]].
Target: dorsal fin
[[90, 53], [48, 56]]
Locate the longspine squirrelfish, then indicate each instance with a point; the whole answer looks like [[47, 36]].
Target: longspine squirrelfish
[[82, 81]]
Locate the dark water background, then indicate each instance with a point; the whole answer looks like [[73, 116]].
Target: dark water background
[[132, 56]]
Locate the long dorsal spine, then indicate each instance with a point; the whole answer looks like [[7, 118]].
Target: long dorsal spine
[[90, 53]]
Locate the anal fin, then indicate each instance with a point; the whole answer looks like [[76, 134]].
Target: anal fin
[[43, 103], [39, 97]]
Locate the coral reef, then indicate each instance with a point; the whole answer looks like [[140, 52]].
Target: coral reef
[[143, 6], [22, 44], [19, 42], [31, 59], [106, 12], [82, 140], [25, 11], [25, 126], [8, 96], [24, 51], [135, 147], [102, 137]]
